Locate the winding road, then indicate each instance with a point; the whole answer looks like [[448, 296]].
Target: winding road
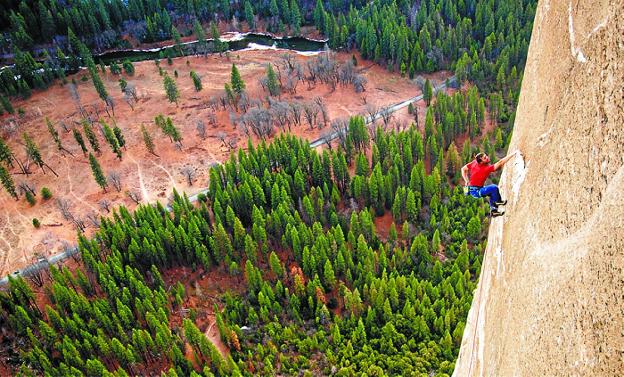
[[45, 262]]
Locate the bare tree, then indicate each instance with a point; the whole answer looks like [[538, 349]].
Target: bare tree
[[36, 271], [221, 136], [201, 129], [27, 187], [296, 110], [400, 125], [244, 102], [259, 120], [310, 111], [233, 119], [73, 92], [323, 109], [134, 195], [63, 206], [281, 114], [189, 173], [105, 204], [110, 104], [79, 223], [359, 84], [231, 142], [130, 95], [213, 103], [212, 119], [94, 218], [339, 127], [115, 179], [372, 110], [386, 116], [64, 126]]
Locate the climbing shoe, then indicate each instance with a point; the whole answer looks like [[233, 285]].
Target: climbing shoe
[[501, 203], [496, 213]]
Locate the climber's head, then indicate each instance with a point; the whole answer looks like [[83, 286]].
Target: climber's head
[[482, 158]]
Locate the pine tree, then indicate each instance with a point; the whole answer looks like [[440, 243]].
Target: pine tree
[[98, 174], [175, 34], [110, 137], [196, 81], [249, 15], [32, 151], [55, 136], [147, 139], [201, 37], [7, 182], [272, 83], [237, 84], [6, 155], [119, 136], [219, 45], [6, 104], [91, 137], [79, 140], [427, 92], [171, 89]]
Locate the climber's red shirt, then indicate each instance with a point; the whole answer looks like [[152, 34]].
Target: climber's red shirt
[[479, 173]]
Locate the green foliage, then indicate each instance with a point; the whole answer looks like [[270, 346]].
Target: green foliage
[[272, 84], [36, 223], [79, 140], [93, 140], [128, 67], [148, 140], [98, 174], [236, 82], [171, 89], [46, 194], [7, 182], [30, 198], [196, 81]]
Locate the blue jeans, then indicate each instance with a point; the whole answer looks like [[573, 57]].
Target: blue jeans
[[489, 190]]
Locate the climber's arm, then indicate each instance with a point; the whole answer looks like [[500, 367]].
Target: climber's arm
[[504, 160], [464, 171]]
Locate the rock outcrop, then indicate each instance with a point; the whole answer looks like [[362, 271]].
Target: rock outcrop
[[550, 299]]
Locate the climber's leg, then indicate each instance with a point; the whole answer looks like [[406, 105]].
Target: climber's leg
[[493, 193]]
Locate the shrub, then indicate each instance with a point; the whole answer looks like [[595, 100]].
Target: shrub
[[46, 193], [128, 67], [36, 223], [30, 198], [202, 197]]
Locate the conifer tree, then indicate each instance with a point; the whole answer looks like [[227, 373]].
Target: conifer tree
[[55, 136], [7, 182], [249, 14], [171, 89], [91, 137], [147, 139], [79, 140], [272, 83], [427, 92], [237, 83], [121, 140], [196, 81], [6, 104], [110, 137], [32, 151], [6, 155], [98, 174]]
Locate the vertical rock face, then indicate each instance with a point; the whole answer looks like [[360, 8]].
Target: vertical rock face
[[550, 296]]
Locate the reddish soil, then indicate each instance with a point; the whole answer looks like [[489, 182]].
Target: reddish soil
[[383, 224], [154, 177]]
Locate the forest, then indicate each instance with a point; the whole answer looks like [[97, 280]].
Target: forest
[[359, 258]]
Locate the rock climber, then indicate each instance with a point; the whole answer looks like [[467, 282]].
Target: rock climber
[[476, 172]]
